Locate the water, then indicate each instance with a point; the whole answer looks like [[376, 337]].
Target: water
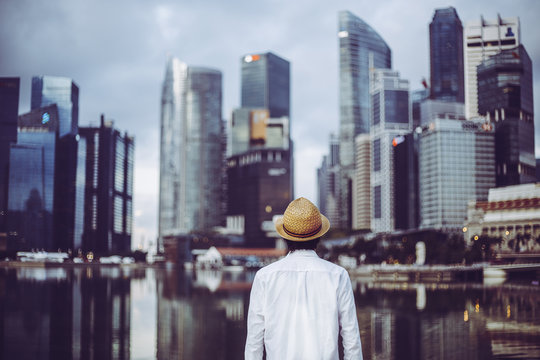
[[144, 313]]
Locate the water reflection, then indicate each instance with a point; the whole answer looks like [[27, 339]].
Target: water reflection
[[144, 313]]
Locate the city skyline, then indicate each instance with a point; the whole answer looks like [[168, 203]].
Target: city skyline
[[116, 56]]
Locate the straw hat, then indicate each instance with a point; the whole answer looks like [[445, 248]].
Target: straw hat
[[302, 221]]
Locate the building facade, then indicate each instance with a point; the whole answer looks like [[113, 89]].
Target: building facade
[[68, 205], [260, 162], [417, 98], [63, 92], [33, 174], [456, 165], [360, 49], [511, 213], [406, 204], [191, 149], [505, 97], [9, 108], [108, 189], [391, 117], [482, 39], [362, 184], [446, 56], [328, 182], [266, 83]]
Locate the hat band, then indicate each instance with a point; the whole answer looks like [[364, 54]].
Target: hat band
[[302, 235]]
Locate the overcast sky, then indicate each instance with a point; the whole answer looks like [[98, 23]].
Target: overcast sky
[[116, 52]]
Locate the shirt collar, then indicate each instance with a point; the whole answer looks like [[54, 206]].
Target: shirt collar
[[309, 253]]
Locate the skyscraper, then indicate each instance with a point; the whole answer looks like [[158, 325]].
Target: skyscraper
[[505, 96], [482, 39], [446, 56], [190, 188], [260, 162], [360, 48], [456, 165], [68, 202], [362, 184], [391, 117], [328, 182], [266, 83], [63, 92], [32, 181], [108, 188], [9, 108], [405, 159]]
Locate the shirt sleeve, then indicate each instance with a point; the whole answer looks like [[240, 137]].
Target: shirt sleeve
[[348, 321], [255, 322]]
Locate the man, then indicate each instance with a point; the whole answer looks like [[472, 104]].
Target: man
[[301, 303]]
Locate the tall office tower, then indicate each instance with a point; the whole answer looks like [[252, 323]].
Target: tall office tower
[[390, 118], [505, 96], [456, 165], [32, 181], [362, 184], [63, 92], [266, 83], [482, 39], [446, 56], [260, 161], [327, 182], [406, 205], [9, 108], [360, 48], [108, 189], [190, 188], [68, 205], [322, 184]]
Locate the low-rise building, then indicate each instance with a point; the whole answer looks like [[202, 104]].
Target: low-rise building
[[511, 213]]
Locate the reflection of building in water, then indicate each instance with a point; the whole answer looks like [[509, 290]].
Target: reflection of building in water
[[64, 314], [382, 338], [195, 323], [398, 329], [446, 337], [105, 322]]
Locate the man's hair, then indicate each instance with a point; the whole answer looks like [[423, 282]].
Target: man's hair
[[302, 245]]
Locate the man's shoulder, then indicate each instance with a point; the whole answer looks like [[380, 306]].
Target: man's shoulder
[[286, 263]]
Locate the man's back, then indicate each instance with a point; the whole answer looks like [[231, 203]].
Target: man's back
[[297, 307]]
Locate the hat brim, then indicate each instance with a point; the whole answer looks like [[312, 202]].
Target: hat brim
[[325, 226]]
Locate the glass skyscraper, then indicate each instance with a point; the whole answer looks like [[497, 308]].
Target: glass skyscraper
[[266, 83], [63, 92], [9, 108], [446, 56], [360, 48], [191, 150], [505, 96], [68, 204], [32, 181]]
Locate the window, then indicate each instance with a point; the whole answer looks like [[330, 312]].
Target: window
[[377, 155], [377, 202]]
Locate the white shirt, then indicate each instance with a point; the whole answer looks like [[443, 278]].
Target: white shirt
[[298, 306]]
